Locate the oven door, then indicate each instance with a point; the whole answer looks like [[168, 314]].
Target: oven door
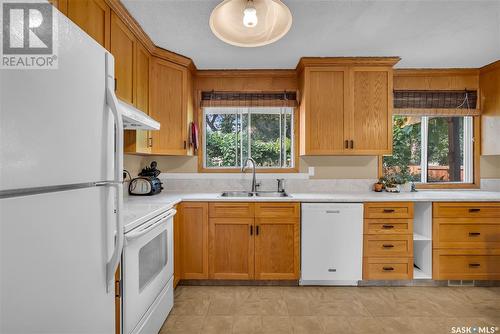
[[147, 266]]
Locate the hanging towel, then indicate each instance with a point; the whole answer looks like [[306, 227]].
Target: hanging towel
[[194, 136]]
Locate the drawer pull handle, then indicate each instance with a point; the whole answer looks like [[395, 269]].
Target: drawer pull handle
[[387, 226], [388, 268], [474, 234], [332, 211], [388, 246], [474, 210], [251, 229], [389, 210], [474, 265]]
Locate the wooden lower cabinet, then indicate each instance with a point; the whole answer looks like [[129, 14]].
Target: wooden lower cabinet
[[383, 268], [466, 264], [194, 240], [277, 248], [238, 241], [466, 241], [231, 248], [388, 241], [177, 247]]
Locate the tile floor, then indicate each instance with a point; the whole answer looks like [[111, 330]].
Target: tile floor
[[311, 310]]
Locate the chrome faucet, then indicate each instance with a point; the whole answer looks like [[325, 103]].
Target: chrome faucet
[[244, 167], [281, 188]]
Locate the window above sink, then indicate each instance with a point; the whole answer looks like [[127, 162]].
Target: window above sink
[[232, 134]]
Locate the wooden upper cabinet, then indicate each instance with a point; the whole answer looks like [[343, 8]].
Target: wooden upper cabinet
[[61, 5], [171, 106], [141, 76], [93, 16], [370, 122], [231, 248], [324, 110], [139, 141], [346, 106], [123, 49]]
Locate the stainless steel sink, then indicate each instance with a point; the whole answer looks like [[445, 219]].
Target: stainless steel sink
[[236, 194], [271, 194]]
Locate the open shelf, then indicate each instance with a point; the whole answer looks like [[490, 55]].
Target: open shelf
[[422, 240], [420, 274], [420, 237]]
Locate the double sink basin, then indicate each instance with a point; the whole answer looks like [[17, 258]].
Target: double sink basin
[[246, 194]]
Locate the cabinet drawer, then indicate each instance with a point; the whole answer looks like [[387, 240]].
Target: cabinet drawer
[[467, 210], [450, 234], [468, 265], [388, 245], [388, 226], [231, 210], [389, 210], [387, 269], [277, 210]]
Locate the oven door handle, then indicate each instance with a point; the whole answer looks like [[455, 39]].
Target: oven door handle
[[136, 234]]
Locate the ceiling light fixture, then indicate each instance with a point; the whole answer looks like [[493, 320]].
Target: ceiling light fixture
[[250, 18], [250, 23]]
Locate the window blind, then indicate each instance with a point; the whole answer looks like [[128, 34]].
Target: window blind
[[436, 103], [248, 99]]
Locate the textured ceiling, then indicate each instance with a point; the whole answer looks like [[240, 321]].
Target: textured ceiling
[[431, 34]]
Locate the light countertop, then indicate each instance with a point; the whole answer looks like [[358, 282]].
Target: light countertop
[[138, 209]]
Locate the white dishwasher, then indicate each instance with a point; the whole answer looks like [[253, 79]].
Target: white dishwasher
[[332, 243]]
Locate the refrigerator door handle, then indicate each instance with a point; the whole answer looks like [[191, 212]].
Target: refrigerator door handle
[[112, 102]]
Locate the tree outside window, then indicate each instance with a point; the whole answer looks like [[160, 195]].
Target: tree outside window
[[233, 134], [431, 149]]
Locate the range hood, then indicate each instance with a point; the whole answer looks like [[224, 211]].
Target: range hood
[[134, 119]]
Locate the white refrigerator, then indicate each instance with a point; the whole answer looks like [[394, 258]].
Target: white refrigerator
[[60, 192]]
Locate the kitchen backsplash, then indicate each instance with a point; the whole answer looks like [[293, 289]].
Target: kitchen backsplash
[[292, 185]]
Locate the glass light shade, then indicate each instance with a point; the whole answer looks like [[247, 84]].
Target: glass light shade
[[231, 22]]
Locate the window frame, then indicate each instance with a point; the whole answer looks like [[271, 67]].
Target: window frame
[[475, 155], [295, 154]]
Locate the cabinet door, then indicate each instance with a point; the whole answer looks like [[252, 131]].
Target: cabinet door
[[138, 141], [194, 240], [325, 98], [93, 16], [370, 118], [277, 248], [231, 248], [168, 105], [122, 48]]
